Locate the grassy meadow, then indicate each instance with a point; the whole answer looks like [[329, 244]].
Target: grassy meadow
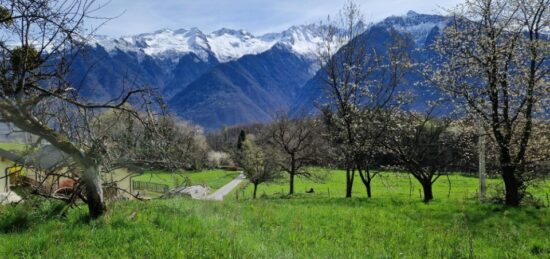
[[12, 146], [386, 185], [295, 228], [392, 224], [214, 179]]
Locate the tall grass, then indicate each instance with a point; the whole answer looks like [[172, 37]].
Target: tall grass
[[394, 223], [290, 228]]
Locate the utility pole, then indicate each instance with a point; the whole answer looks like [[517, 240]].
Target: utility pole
[[482, 162]]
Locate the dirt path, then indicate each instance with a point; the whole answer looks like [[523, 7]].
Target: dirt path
[[226, 189]]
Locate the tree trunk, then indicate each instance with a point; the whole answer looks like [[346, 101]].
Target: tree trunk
[[428, 194], [482, 161], [292, 172], [366, 181], [512, 186], [349, 182], [369, 191], [291, 184], [255, 189], [94, 191]]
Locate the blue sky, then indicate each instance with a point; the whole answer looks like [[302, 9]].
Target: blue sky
[[256, 16]]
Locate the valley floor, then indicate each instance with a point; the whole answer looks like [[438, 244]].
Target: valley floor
[[389, 225]]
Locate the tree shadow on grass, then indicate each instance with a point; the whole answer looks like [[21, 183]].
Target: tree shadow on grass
[[20, 217], [301, 200], [475, 214], [14, 219]]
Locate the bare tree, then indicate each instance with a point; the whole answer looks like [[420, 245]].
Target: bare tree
[[496, 63], [428, 147], [360, 90], [40, 39], [258, 166], [163, 143], [297, 140]]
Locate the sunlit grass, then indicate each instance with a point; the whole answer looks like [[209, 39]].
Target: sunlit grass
[[12, 146], [214, 179], [387, 185], [290, 228], [395, 223]]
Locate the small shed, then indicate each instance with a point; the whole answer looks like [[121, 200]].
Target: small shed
[[119, 183], [7, 162], [31, 169]]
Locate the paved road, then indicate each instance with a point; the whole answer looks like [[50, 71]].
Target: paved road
[[226, 189]]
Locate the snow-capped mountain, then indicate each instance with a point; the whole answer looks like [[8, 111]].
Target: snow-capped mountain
[[419, 30], [419, 26], [230, 77], [225, 44], [303, 40]]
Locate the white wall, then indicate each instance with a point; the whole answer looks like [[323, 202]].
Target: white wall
[[123, 179], [4, 181]]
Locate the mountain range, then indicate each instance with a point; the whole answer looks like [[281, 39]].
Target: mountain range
[[231, 77]]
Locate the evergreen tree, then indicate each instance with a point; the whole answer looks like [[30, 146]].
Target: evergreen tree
[[241, 140]]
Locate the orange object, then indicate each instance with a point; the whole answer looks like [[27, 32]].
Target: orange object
[[67, 183]]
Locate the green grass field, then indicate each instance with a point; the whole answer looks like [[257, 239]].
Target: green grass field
[[296, 228], [385, 186], [392, 224], [212, 178], [12, 146]]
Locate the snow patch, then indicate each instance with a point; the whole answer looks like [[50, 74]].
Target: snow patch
[[421, 31], [303, 40], [417, 25], [228, 45], [224, 44]]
